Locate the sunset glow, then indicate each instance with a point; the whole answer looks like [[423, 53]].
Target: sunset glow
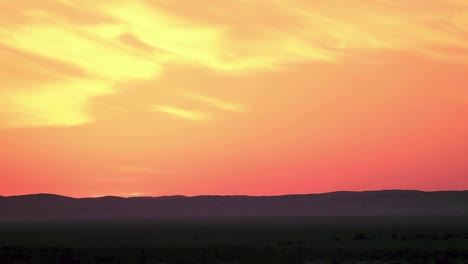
[[157, 97]]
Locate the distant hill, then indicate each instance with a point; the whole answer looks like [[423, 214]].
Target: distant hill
[[39, 207]]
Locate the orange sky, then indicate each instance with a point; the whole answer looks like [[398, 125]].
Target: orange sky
[[160, 97]]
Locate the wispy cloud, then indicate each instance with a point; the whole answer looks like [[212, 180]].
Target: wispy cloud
[[215, 102], [191, 115], [145, 170]]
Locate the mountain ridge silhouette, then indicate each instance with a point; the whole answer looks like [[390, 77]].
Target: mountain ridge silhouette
[[228, 195], [45, 207]]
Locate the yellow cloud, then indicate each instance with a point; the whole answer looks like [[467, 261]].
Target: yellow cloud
[[96, 57], [58, 99], [196, 116], [51, 105], [210, 45], [355, 26]]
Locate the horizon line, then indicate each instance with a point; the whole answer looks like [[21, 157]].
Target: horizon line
[[231, 195]]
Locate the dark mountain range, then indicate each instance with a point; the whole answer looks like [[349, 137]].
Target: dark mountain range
[[39, 207]]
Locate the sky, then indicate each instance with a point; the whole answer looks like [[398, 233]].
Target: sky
[[163, 97]]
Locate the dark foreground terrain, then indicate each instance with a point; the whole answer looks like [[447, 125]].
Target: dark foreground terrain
[[378, 239]]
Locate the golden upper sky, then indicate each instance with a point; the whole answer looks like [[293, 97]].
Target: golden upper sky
[[59, 55]]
